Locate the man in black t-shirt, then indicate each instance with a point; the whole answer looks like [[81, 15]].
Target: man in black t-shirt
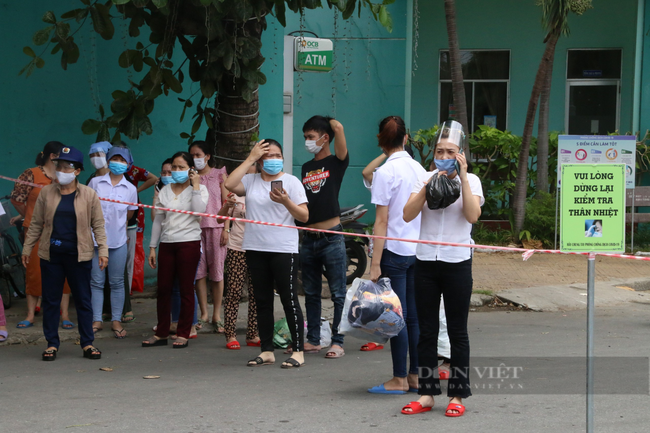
[[322, 177]]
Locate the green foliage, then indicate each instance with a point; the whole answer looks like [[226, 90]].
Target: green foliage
[[540, 219], [555, 13], [424, 140], [220, 40], [494, 160], [485, 236]]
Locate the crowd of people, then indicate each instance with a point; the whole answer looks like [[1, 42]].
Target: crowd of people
[[78, 245]]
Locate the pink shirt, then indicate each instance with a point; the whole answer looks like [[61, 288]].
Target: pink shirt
[[236, 238], [213, 180]]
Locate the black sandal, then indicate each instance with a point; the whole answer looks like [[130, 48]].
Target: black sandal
[[119, 334], [49, 355], [256, 362], [92, 353], [154, 341], [292, 363]]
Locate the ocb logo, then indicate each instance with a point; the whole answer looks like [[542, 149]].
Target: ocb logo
[[309, 44]]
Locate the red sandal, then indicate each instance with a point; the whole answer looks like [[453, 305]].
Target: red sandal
[[416, 407], [455, 406], [233, 345], [371, 346]]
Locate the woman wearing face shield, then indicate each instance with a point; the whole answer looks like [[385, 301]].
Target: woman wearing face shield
[[24, 197], [444, 270], [272, 252], [97, 154], [63, 217], [179, 236], [214, 235]]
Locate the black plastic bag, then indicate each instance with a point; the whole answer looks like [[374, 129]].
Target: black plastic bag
[[441, 192]]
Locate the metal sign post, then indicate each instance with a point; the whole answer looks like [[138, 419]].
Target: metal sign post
[[591, 278]]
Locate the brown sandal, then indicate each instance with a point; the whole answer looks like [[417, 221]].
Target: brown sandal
[[154, 341]]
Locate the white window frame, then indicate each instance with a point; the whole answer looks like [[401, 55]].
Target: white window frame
[[591, 82], [440, 81]]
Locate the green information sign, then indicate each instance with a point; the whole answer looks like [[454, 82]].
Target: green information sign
[[593, 208], [313, 54]]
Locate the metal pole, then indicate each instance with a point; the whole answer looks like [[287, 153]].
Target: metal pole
[[557, 200], [591, 277], [632, 239]]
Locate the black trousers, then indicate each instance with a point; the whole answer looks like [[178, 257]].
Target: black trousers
[[63, 267], [454, 281], [279, 271]]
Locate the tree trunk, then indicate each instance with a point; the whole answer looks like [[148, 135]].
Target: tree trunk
[[236, 120], [542, 131], [521, 186], [457, 85]]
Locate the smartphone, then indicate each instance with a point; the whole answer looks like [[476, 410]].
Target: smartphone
[[457, 166], [276, 184]]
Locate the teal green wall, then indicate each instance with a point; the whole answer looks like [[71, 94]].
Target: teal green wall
[[515, 25], [366, 85], [51, 104], [644, 123]]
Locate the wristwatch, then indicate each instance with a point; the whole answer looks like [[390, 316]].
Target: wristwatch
[[227, 230]]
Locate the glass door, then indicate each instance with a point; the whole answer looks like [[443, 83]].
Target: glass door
[[592, 107]]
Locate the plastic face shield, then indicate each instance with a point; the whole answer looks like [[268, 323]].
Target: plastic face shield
[[452, 131]]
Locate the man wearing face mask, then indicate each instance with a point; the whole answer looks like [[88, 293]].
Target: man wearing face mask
[[113, 186], [322, 178]]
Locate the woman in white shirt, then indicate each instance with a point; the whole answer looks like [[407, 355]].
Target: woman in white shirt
[[444, 270], [180, 247], [391, 185], [272, 252]]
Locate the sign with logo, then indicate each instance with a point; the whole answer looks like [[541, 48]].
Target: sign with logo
[[598, 149], [593, 208], [313, 54]]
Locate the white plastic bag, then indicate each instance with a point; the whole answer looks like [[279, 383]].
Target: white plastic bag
[[325, 333], [377, 311]]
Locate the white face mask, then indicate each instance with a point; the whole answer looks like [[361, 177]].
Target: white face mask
[[65, 178], [312, 147], [98, 162], [199, 163]]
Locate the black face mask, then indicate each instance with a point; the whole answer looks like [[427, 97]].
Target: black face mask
[[441, 192]]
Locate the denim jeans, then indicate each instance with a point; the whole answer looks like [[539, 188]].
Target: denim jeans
[[401, 271], [326, 252], [116, 264]]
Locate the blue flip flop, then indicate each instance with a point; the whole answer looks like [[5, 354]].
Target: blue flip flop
[[381, 389], [413, 390], [24, 324], [67, 324]]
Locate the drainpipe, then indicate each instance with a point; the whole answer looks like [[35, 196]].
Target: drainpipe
[[638, 61], [408, 73]]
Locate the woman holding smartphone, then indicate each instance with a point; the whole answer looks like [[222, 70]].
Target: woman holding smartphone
[[179, 236], [444, 270], [272, 252]]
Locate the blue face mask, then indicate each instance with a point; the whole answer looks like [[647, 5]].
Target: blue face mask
[[166, 180], [180, 176], [448, 165], [117, 168], [273, 166]]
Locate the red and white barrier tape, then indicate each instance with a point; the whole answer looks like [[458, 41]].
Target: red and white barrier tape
[[526, 253]]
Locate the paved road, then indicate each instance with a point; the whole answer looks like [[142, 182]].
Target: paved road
[[207, 388]]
